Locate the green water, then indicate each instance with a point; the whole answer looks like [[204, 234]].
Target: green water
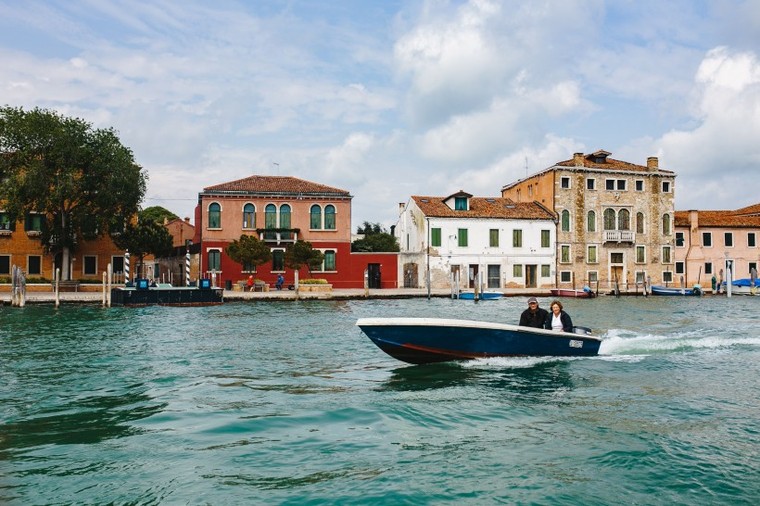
[[288, 403]]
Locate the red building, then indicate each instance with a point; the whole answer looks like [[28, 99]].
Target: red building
[[280, 210]]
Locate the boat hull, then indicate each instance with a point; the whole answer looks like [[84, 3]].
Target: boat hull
[[682, 292], [427, 340], [176, 296], [481, 296], [569, 292]]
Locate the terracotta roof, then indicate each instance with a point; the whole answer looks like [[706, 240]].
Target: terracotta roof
[[275, 184], [484, 207], [739, 218], [609, 164]]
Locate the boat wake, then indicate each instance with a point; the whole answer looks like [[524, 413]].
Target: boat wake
[[620, 342]]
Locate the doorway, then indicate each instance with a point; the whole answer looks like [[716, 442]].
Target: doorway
[[531, 276], [373, 273]]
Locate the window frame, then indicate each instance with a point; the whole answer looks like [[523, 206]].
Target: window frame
[[493, 238], [462, 238], [29, 270], [435, 237], [92, 258], [728, 239], [709, 242], [214, 218], [564, 182], [517, 238]]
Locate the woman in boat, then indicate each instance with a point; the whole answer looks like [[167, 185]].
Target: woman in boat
[[558, 320]]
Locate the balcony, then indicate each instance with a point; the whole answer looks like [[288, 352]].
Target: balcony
[[619, 236], [278, 235]]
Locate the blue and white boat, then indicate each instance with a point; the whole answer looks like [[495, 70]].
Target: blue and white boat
[[744, 286], [481, 295], [427, 340], [695, 291]]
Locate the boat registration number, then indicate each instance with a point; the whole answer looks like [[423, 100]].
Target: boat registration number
[[574, 343]]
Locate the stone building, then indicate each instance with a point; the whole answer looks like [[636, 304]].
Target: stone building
[[615, 226]]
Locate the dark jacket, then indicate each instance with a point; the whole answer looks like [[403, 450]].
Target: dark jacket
[[567, 323], [537, 319]]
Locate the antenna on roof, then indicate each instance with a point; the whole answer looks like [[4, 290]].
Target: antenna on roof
[[277, 168], [526, 166]]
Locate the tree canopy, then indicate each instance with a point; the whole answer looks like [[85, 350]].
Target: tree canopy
[[249, 251], [376, 239], [146, 237], [157, 214], [79, 180], [302, 253]]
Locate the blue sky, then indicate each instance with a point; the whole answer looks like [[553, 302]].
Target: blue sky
[[388, 99]]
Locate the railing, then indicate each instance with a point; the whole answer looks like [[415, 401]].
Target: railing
[[618, 236], [278, 235]]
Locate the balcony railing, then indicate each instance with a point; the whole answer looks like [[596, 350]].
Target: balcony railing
[[278, 235], [618, 236]]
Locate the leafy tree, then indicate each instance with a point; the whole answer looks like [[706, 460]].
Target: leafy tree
[[376, 239], [302, 253], [157, 214], [249, 251], [81, 181], [145, 238]]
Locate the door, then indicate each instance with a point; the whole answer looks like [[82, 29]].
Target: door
[[473, 275], [531, 276], [410, 275], [373, 273]]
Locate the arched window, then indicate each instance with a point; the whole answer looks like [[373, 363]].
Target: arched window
[[329, 217], [270, 221], [329, 260], [249, 216], [624, 219], [591, 221], [565, 221], [285, 220], [315, 220], [609, 219], [214, 215], [666, 224], [639, 223]]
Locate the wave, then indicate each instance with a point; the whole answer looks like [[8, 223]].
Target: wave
[[625, 342]]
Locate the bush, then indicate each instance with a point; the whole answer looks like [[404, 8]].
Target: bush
[[313, 281]]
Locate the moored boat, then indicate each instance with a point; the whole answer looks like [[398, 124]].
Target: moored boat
[[585, 293], [695, 291], [427, 340], [142, 294], [481, 295], [744, 286]]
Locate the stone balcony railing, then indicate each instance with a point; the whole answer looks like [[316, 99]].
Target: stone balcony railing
[[618, 236]]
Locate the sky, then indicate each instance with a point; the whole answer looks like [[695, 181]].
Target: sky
[[390, 98]]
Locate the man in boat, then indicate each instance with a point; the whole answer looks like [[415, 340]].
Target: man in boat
[[534, 316]]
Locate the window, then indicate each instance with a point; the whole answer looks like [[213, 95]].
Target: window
[[591, 255], [624, 219], [214, 215], [609, 219], [247, 267], [33, 222], [708, 268], [460, 203], [546, 270], [564, 254], [665, 224], [728, 237], [666, 187], [285, 220], [639, 223], [752, 265], [462, 237], [118, 264], [5, 265], [517, 238], [5, 222], [621, 185], [641, 254], [214, 260], [616, 258], [707, 239], [591, 184], [566, 221], [329, 260], [609, 184], [517, 271], [493, 237], [565, 276], [639, 185], [667, 277], [315, 217], [593, 276], [666, 259], [564, 182], [494, 276], [278, 260], [751, 242], [679, 239], [615, 184], [249, 216], [330, 217], [270, 221], [34, 265], [640, 277], [545, 238], [435, 237], [90, 265], [591, 221], [679, 268]]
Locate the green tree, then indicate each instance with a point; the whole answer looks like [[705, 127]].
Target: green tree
[[158, 214], [249, 251], [302, 253], [376, 239], [145, 238], [81, 181]]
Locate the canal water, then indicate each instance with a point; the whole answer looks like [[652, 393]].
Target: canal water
[[288, 403]]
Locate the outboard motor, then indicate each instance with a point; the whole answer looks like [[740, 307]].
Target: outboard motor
[[584, 331]]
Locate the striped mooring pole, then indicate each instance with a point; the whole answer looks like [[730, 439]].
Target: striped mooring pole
[[187, 267], [127, 279]]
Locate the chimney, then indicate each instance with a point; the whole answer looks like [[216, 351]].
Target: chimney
[[578, 159], [401, 206], [652, 164], [187, 219]]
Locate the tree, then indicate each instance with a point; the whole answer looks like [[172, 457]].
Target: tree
[[376, 239], [145, 238], [80, 181], [302, 253], [249, 251], [158, 214]]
